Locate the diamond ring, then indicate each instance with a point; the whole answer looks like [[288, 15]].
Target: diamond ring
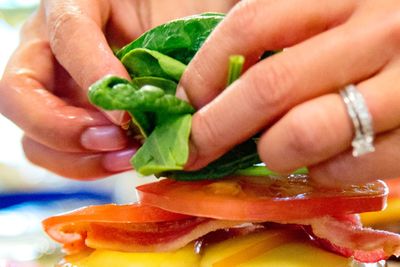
[[361, 119]]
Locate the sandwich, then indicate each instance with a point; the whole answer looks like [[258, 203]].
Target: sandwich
[[237, 221], [234, 211]]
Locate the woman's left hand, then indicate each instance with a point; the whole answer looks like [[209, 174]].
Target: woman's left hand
[[294, 94]]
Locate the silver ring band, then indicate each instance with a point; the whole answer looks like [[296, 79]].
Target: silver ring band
[[361, 119]]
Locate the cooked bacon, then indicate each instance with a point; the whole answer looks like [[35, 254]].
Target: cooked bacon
[[137, 237], [346, 236], [156, 237]]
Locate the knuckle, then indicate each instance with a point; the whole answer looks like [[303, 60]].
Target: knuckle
[[197, 78], [271, 85], [303, 138], [210, 135], [60, 22]]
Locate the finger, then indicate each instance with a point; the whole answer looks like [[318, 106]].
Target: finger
[[73, 165], [171, 10], [321, 128], [125, 23], [77, 41], [77, 165], [24, 99], [346, 169], [273, 86], [251, 28]]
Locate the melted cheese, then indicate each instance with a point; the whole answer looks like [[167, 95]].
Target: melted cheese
[[388, 215], [266, 249]]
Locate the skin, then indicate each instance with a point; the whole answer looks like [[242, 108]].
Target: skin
[[64, 48], [292, 97]]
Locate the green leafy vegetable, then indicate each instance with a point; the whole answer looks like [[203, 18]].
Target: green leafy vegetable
[[117, 93], [148, 105], [166, 148], [141, 62], [242, 156], [168, 86], [179, 39]]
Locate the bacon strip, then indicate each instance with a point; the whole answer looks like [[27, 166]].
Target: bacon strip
[[167, 236], [346, 236], [136, 237]]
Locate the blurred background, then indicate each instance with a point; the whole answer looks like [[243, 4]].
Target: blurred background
[[28, 194]]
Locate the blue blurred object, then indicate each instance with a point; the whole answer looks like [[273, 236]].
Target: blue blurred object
[[10, 199]]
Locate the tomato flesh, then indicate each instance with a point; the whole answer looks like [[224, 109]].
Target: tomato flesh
[[135, 212], [262, 198]]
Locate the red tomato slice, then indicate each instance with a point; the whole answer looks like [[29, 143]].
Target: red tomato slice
[[135, 212], [262, 198], [72, 229]]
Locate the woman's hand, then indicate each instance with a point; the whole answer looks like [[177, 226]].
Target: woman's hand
[[292, 97], [64, 48]]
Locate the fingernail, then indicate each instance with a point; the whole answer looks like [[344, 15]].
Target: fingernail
[[104, 138], [117, 117], [181, 93], [119, 161]]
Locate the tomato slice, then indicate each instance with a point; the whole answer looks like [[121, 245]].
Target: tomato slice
[[262, 198], [130, 213]]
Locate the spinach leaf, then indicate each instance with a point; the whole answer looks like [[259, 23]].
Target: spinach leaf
[[179, 39], [141, 62], [166, 148], [163, 118], [114, 93], [146, 104], [240, 157], [168, 86]]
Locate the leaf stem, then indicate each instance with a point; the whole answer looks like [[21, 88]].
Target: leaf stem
[[264, 171], [235, 68]]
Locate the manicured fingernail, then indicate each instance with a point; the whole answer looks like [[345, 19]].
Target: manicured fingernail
[[181, 93], [117, 117], [119, 161], [104, 138]]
